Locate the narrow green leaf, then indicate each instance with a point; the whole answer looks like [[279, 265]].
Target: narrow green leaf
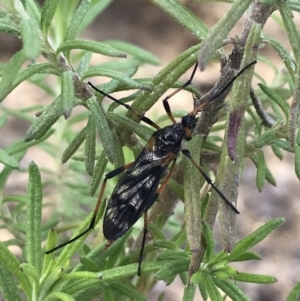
[[33, 11], [31, 38], [8, 287], [74, 145], [212, 290], [67, 96], [255, 237], [261, 170], [220, 31], [110, 275], [294, 5], [90, 264], [34, 215], [219, 258], [184, 16], [47, 15], [84, 63], [156, 231], [173, 255], [109, 139], [295, 293], [284, 54], [131, 83], [7, 27], [276, 98], [284, 144], [166, 244], [277, 151], [33, 275], [60, 296], [10, 73], [6, 159], [209, 240], [12, 264], [201, 284], [141, 130], [247, 256], [139, 53], [198, 277], [107, 294], [254, 278], [37, 68], [90, 146], [266, 138], [77, 19], [51, 243], [93, 46], [173, 268], [189, 292], [230, 289], [44, 122], [291, 29], [47, 281], [269, 176], [98, 173], [127, 290]]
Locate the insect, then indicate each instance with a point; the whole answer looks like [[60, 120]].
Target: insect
[[141, 185]]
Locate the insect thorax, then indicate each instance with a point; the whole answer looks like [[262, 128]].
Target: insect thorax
[[170, 138]]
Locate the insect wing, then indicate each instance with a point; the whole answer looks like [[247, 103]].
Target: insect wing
[[135, 193]]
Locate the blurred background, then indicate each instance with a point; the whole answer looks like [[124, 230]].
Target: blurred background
[[143, 24]]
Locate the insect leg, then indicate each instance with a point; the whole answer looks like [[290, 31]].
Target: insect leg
[[129, 108], [165, 101], [208, 180], [154, 197], [93, 220]]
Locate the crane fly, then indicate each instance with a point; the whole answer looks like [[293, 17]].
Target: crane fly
[[141, 185]]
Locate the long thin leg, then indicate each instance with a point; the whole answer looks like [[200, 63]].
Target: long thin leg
[[142, 117], [208, 180], [165, 101], [155, 196], [92, 223]]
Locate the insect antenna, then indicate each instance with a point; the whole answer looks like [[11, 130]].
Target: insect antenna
[[129, 108], [197, 109]]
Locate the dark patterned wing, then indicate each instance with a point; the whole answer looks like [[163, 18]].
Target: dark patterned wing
[[135, 193]]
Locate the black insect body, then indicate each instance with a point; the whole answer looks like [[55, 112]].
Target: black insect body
[[137, 190], [141, 184]]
